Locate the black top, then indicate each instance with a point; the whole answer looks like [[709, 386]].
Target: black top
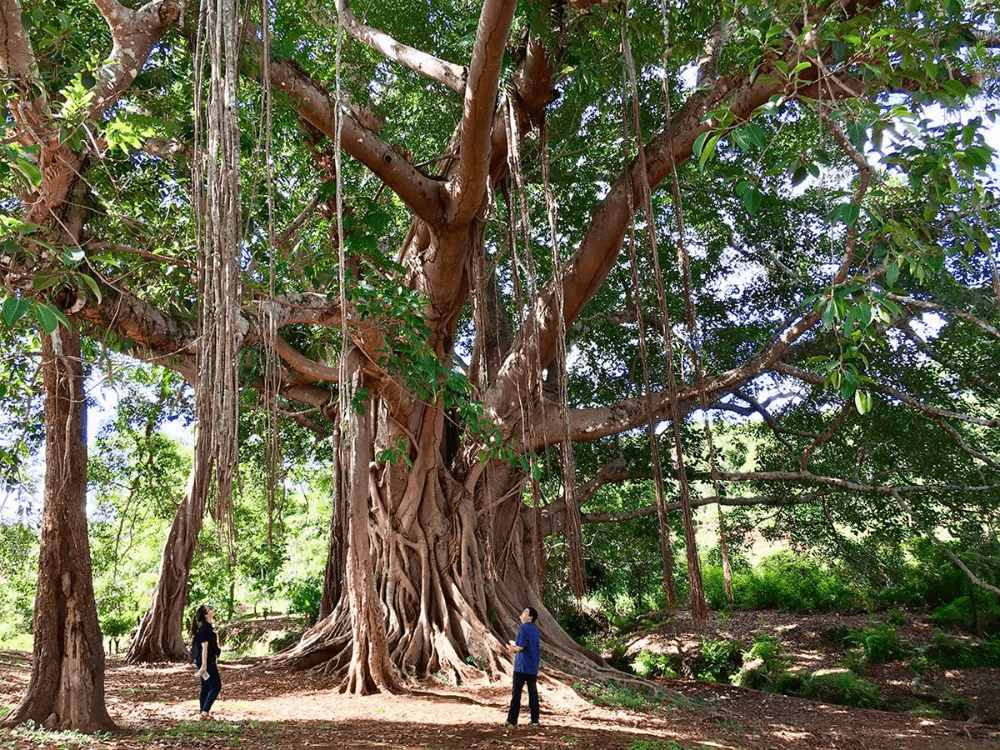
[[206, 634]]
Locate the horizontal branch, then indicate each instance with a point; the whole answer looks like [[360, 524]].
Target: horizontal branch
[[892, 393], [846, 484], [774, 501], [447, 74]]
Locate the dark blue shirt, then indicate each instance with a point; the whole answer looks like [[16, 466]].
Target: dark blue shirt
[[206, 634], [527, 659]]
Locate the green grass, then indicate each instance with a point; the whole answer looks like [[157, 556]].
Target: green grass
[[227, 732], [17, 642], [55, 740], [613, 695]]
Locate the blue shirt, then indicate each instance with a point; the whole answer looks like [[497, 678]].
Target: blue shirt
[[528, 658], [206, 634]]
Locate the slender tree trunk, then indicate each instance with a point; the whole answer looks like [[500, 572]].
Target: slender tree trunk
[[371, 669], [336, 558], [161, 633], [66, 689], [727, 568]]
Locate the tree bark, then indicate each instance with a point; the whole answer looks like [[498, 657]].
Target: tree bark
[[66, 689]]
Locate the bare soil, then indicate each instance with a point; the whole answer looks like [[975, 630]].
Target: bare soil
[[265, 707]]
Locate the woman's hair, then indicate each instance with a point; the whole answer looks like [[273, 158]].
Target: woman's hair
[[199, 618], [533, 613]]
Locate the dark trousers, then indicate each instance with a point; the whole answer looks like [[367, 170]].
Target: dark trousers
[[520, 680], [210, 688]]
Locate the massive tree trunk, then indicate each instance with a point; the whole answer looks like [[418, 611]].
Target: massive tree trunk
[[66, 690], [161, 634], [438, 563]]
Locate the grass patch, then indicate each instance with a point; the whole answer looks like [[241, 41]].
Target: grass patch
[[40, 737], [190, 730], [18, 642], [613, 695]]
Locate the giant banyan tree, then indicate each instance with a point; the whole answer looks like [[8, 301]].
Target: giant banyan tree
[[471, 244]]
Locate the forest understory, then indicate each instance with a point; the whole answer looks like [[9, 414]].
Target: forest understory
[[265, 707]]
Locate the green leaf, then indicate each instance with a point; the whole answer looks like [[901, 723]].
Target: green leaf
[[752, 199], [699, 143], [91, 284], [14, 309], [46, 315], [707, 151], [31, 173], [829, 312], [852, 212], [892, 273], [862, 401], [955, 88], [46, 280], [72, 255]]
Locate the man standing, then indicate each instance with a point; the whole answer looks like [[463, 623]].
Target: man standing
[[527, 650]]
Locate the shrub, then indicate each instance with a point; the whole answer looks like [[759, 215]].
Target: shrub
[[649, 664], [612, 695], [304, 595], [765, 664], [617, 655], [879, 642], [842, 688], [961, 613], [718, 659], [783, 581]]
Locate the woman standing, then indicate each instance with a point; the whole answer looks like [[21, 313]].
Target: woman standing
[[208, 644]]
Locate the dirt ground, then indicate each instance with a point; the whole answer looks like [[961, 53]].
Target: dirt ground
[[264, 707]]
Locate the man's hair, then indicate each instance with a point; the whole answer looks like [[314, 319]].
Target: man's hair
[[533, 613]]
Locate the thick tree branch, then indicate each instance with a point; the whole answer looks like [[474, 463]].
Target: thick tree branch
[[447, 74], [422, 194], [708, 63], [134, 32], [468, 188], [19, 65]]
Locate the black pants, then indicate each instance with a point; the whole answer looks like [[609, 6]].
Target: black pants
[[210, 688], [520, 680]]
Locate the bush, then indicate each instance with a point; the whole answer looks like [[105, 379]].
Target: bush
[[879, 642], [649, 664], [304, 596], [717, 660], [617, 655], [961, 613], [765, 665], [612, 695], [842, 688], [784, 581]]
